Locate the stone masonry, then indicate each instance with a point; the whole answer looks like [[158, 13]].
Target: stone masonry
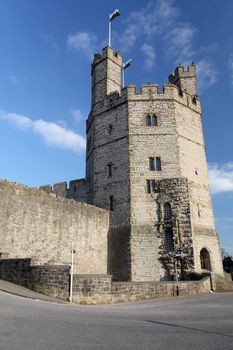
[[142, 215], [42, 227], [120, 138]]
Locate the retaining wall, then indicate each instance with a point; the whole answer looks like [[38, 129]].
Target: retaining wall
[[92, 288]]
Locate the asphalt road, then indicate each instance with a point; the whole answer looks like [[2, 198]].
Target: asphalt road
[[199, 322]]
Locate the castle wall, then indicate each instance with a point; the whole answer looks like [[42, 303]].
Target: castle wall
[[41, 226], [193, 165]]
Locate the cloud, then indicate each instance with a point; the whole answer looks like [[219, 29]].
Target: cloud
[[207, 73], [82, 42], [179, 42], [161, 21], [78, 116], [148, 22], [221, 177], [150, 55], [230, 67], [52, 133]]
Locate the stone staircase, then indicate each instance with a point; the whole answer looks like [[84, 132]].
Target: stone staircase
[[224, 284]]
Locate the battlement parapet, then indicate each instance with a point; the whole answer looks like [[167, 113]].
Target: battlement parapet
[[107, 52], [77, 189], [146, 92], [169, 91], [185, 79]]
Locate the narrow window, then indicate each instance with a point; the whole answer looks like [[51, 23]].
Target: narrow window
[[153, 186], [110, 170], [148, 120], [111, 203], [168, 239], [158, 163], [154, 120], [167, 211], [151, 163], [148, 186], [110, 129]]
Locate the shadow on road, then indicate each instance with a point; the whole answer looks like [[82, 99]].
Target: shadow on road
[[184, 327]]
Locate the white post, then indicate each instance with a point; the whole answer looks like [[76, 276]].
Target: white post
[[71, 272], [123, 77], [109, 33]]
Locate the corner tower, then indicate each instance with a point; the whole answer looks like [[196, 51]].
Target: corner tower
[[146, 163]]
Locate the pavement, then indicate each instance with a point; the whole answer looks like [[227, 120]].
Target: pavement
[[194, 323], [16, 289]]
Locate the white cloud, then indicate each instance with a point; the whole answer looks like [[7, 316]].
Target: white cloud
[[230, 67], [52, 133], [207, 73], [78, 116], [179, 41], [82, 42], [221, 177], [150, 55], [161, 21], [149, 21]]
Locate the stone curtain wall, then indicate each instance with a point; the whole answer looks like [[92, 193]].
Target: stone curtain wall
[[41, 226]]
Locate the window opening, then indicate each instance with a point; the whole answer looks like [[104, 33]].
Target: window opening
[[167, 211], [148, 120], [158, 163], [168, 240], [151, 163], [110, 170], [111, 203], [155, 120]]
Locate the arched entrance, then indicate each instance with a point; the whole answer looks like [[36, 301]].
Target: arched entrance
[[205, 259]]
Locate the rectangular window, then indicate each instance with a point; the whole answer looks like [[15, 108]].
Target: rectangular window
[[109, 170], [111, 203], [153, 189], [148, 186], [154, 120], [151, 163], [148, 120], [158, 163]]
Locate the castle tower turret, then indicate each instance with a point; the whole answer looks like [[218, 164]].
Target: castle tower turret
[[145, 162], [106, 74], [185, 80]]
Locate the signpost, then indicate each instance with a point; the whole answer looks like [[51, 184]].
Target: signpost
[[73, 251]]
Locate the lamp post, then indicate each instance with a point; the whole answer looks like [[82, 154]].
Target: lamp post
[[73, 251]]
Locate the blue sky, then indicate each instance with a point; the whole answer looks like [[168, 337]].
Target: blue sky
[[45, 56]]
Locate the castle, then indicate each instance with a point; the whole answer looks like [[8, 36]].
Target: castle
[[146, 166]]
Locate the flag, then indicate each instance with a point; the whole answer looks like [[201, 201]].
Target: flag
[[127, 64], [113, 15]]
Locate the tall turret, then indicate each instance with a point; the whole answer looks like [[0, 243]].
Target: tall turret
[[185, 80], [106, 74]]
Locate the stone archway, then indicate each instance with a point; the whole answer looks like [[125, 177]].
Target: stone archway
[[205, 259]]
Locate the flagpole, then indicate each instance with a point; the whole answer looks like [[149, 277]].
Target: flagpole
[[109, 33]]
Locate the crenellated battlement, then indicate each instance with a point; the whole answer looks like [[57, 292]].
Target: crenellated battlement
[[107, 52], [147, 92], [77, 189], [185, 79]]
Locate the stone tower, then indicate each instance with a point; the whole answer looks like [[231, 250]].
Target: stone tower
[[146, 163]]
